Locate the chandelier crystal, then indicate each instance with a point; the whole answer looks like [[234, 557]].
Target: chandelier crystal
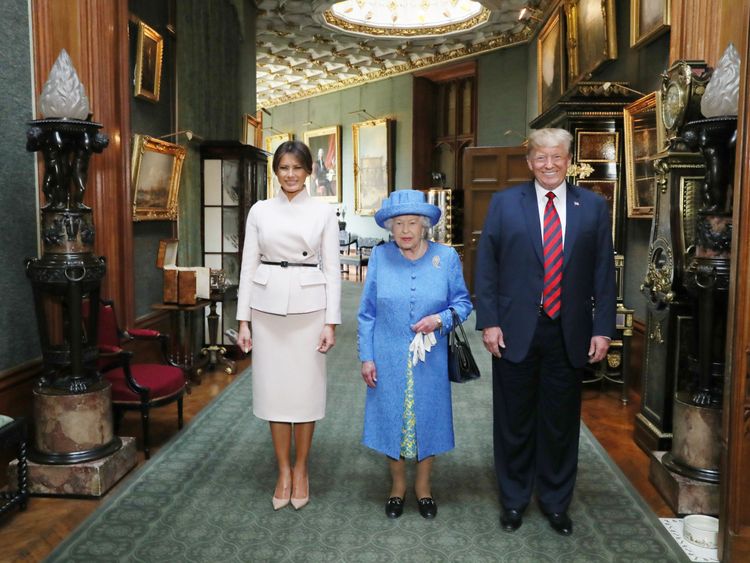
[[399, 18]]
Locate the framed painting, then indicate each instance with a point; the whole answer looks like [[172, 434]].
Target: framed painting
[[148, 57], [550, 61], [272, 143], [592, 36], [325, 180], [252, 129], [373, 164], [648, 20], [644, 138], [609, 190], [156, 166]]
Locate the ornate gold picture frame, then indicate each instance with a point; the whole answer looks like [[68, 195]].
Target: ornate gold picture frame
[[325, 146], [156, 166], [551, 61], [148, 58], [592, 36], [644, 138], [648, 20], [252, 129], [272, 143], [373, 164]]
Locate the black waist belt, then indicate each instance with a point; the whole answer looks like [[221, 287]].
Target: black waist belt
[[285, 264]]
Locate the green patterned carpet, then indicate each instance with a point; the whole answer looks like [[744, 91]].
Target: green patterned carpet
[[206, 496]]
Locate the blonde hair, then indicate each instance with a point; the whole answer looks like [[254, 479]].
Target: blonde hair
[[549, 137]]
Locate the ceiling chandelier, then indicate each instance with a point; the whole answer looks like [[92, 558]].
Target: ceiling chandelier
[[406, 18]]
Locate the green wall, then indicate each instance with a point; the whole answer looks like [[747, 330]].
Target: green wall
[[504, 97], [154, 119], [390, 98], [212, 59], [18, 196]]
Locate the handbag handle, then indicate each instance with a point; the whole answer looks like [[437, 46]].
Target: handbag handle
[[457, 325]]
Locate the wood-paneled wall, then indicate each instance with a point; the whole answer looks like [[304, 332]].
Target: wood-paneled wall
[[94, 32], [702, 29], [734, 520]]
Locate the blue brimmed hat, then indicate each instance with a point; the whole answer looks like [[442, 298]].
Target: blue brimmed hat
[[406, 202]]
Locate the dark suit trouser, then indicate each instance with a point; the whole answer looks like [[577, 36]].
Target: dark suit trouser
[[537, 413]]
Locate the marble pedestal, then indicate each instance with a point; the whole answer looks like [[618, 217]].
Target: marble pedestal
[[87, 479], [683, 495]]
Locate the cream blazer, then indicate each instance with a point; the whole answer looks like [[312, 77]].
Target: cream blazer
[[302, 230]]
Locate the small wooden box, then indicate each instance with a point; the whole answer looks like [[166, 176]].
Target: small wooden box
[[186, 287], [182, 285], [170, 285]]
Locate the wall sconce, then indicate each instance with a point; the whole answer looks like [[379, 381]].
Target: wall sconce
[[367, 113], [614, 86], [190, 135], [528, 13], [523, 138]]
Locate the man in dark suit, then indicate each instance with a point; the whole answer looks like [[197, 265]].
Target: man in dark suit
[[546, 301]]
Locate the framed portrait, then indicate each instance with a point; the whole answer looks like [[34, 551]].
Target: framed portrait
[[325, 180], [156, 166], [644, 138], [252, 129], [148, 57], [272, 143], [592, 37], [373, 164], [550, 61], [648, 20], [608, 189]]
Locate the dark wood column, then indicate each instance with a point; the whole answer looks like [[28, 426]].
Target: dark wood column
[[734, 518], [94, 32]]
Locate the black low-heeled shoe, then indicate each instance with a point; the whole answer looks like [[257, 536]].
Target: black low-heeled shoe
[[394, 507], [427, 507]]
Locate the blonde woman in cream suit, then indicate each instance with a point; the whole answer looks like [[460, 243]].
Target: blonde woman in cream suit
[[289, 304]]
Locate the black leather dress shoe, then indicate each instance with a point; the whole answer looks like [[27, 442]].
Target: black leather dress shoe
[[511, 519], [427, 507], [394, 507], [561, 523]]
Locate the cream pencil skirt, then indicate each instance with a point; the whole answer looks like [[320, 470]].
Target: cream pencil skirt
[[289, 374]]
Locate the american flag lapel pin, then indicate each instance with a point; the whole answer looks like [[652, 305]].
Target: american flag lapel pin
[[576, 203]]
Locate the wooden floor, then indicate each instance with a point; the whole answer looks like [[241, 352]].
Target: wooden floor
[[31, 535]]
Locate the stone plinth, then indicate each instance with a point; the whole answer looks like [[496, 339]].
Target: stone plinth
[[683, 495], [73, 427], [89, 479]]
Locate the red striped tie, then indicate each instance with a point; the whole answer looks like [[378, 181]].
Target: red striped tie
[[553, 260]]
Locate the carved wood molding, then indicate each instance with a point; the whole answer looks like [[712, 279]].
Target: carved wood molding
[[94, 32]]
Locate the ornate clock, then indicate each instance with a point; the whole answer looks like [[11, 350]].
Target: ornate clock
[[682, 88], [669, 318]]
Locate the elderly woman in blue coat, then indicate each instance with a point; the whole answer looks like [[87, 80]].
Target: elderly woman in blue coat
[[404, 320]]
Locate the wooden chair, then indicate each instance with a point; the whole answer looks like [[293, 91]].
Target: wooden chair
[[137, 386]]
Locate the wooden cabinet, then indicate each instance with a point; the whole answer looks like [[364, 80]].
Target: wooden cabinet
[[233, 178]]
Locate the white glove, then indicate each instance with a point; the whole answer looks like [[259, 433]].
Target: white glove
[[420, 345]]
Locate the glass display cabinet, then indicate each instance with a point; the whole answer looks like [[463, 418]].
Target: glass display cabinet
[[233, 178]]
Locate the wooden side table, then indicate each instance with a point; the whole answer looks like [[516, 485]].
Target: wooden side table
[[14, 435], [183, 326]]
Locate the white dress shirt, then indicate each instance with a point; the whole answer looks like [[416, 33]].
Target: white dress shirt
[[559, 203]]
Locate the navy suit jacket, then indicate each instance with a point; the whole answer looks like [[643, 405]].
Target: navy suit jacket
[[510, 271]]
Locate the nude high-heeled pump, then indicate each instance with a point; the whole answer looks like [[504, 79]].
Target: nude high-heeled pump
[[298, 503]]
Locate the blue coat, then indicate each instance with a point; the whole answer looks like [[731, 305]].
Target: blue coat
[[510, 271], [397, 293]]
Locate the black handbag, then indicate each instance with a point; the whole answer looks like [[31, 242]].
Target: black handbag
[[461, 364]]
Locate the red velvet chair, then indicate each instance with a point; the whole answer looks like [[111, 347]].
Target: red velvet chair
[[137, 386]]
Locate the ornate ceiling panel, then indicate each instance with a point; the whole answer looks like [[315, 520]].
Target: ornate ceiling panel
[[299, 55]]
